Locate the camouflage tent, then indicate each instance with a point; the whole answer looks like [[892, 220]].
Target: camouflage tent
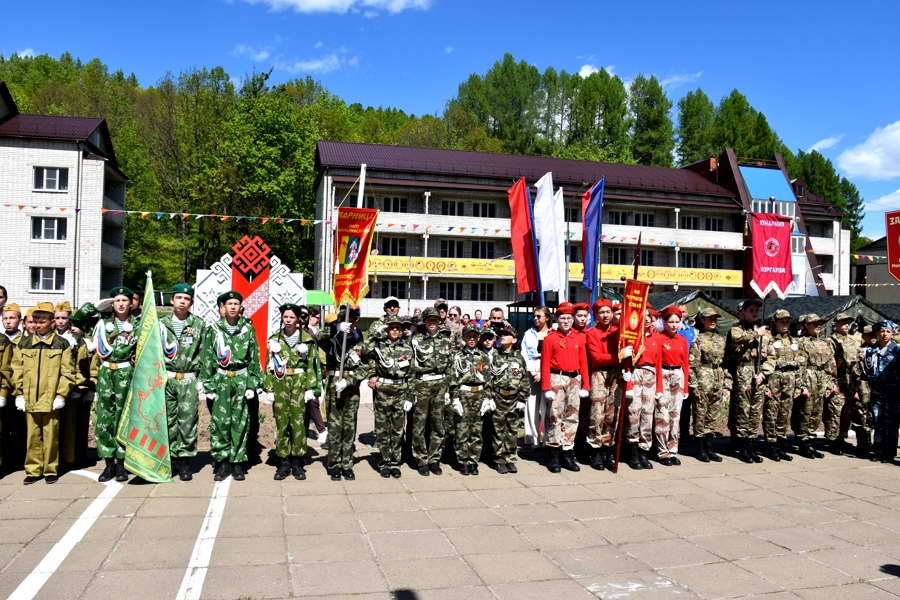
[[697, 300]]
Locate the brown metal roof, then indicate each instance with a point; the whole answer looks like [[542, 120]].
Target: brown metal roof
[[509, 167], [50, 126]]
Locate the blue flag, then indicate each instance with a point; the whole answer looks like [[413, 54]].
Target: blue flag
[[592, 220]]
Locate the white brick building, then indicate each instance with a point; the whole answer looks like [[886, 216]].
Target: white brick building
[[56, 176]]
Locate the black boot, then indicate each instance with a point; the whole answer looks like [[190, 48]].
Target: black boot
[[702, 456], [553, 465], [568, 461], [708, 440], [284, 469], [804, 449], [184, 469], [773, 451], [297, 468], [223, 471], [109, 471], [645, 460], [121, 473], [863, 446], [782, 451], [634, 457], [609, 457], [237, 471], [597, 458], [744, 451], [835, 447], [812, 448], [751, 447]]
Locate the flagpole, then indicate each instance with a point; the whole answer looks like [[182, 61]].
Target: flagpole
[[537, 267]]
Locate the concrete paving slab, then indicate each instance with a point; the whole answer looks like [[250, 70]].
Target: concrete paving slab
[[429, 573], [853, 591], [794, 571], [863, 510], [117, 507], [488, 540], [237, 525], [410, 520], [858, 532], [22, 531], [723, 483], [721, 580], [735, 546], [567, 534], [164, 528], [173, 507], [565, 493], [706, 501], [235, 551], [318, 524], [750, 519], [135, 584], [328, 548], [332, 578], [861, 563], [479, 592], [594, 509], [508, 496], [622, 489], [384, 502], [65, 585], [324, 504], [804, 513], [509, 567], [536, 513], [673, 552], [629, 529], [34, 509], [595, 560], [433, 483], [636, 586], [759, 497], [466, 517], [448, 499], [540, 590], [691, 524], [248, 581], [160, 553], [800, 539], [410, 544], [652, 506]]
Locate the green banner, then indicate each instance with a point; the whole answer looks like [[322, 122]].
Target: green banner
[[143, 428]]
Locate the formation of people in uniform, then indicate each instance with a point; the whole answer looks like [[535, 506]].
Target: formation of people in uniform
[[450, 394]]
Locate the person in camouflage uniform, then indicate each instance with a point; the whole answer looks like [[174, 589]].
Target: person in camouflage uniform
[[509, 381], [861, 417], [882, 371], [72, 437], [377, 330], [231, 376], [838, 411], [390, 366], [782, 385], [449, 327], [745, 360], [115, 343], [337, 339], [710, 382], [470, 389], [821, 371], [433, 355], [293, 378], [184, 342]]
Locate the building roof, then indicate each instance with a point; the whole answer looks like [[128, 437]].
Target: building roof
[[510, 167]]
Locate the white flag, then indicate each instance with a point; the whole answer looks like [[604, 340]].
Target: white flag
[[559, 211], [547, 218]]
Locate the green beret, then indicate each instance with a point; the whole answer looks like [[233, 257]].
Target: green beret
[[295, 308], [230, 295], [120, 291], [183, 288], [84, 313]]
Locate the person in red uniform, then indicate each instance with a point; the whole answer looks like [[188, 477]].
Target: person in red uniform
[[675, 357], [646, 379], [564, 381], [617, 314], [606, 394], [582, 316]]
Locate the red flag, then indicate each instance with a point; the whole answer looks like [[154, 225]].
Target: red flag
[[354, 239], [771, 235], [522, 233], [631, 324]]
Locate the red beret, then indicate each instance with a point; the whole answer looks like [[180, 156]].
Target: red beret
[[654, 313], [602, 302], [565, 308], [582, 306], [566, 304], [616, 306], [649, 306], [669, 311]]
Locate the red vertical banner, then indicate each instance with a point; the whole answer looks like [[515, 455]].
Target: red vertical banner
[[522, 238], [250, 277], [892, 230], [772, 269], [353, 239], [631, 323]]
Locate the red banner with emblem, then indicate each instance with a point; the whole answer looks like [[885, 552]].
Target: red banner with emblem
[[353, 239], [772, 270], [631, 323]]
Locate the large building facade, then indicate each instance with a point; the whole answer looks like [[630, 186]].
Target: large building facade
[[57, 174], [443, 230]]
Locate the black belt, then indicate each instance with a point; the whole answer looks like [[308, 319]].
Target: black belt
[[671, 367], [791, 368], [646, 366], [566, 373], [606, 368]]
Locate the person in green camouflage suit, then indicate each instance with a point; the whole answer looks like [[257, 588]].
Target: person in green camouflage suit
[[709, 381], [782, 386], [862, 418], [511, 386], [470, 388], [377, 329], [293, 378], [342, 391], [231, 376], [819, 375], [433, 355], [839, 409], [115, 343], [184, 341], [390, 366]]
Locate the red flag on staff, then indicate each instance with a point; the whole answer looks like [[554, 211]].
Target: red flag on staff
[[354, 239], [631, 324], [771, 254], [522, 234]]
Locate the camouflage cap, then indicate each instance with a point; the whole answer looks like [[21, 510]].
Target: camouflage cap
[[393, 320], [709, 312], [508, 330], [430, 311], [441, 302], [407, 320], [471, 328], [749, 302], [488, 332], [843, 317], [781, 314], [867, 329], [813, 318]]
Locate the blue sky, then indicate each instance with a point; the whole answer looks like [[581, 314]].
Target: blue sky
[[824, 73]]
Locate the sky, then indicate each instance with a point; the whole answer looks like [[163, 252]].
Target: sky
[[826, 74]]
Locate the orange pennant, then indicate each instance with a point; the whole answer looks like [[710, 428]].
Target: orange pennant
[[185, 215], [144, 215], [304, 221], [265, 220], [104, 210], [226, 217]]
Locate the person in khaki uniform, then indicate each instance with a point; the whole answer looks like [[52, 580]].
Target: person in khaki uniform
[[72, 440], [43, 377], [6, 352], [13, 422]]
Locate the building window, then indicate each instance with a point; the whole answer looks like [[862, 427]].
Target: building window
[[826, 263], [452, 208], [715, 294], [483, 250], [48, 229], [393, 288], [51, 178], [573, 292], [575, 253], [486, 210], [798, 244], [690, 222], [48, 279], [483, 292], [616, 217], [619, 256], [391, 246], [450, 291], [688, 260], [645, 219], [397, 205], [451, 249], [785, 209], [715, 260], [715, 224], [573, 214], [369, 202], [647, 257], [799, 191]]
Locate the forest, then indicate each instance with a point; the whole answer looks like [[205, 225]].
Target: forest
[[194, 142]]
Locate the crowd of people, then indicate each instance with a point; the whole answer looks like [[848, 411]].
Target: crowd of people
[[447, 389]]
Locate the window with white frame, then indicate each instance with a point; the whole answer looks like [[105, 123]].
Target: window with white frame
[[369, 202], [393, 288], [452, 208], [48, 279], [616, 217], [619, 256], [395, 204], [689, 222], [715, 260], [451, 249], [689, 260], [573, 214], [49, 229], [715, 224], [785, 209], [798, 244], [392, 246], [483, 250], [486, 210], [483, 292], [645, 219], [450, 291], [51, 179]]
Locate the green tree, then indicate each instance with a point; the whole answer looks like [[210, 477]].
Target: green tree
[[652, 137], [694, 130]]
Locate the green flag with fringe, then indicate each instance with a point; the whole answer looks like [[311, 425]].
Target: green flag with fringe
[[143, 428]]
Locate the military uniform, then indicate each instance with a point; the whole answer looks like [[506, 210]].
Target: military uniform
[[6, 383], [470, 385], [433, 371], [710, 383], [12, 421], [510, 386], [782, 385], [839, 408], [882, 371], [820, 374], [606, 393], [745, 352]]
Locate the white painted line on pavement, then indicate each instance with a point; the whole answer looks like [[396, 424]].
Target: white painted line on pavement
[[32, 584], [192, 584]]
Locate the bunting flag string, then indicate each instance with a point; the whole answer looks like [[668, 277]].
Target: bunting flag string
[[143, 214]]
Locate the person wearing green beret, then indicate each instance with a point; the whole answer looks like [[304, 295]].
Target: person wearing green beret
[[231, 376], [293, 378], [184, 339], [114, 342]]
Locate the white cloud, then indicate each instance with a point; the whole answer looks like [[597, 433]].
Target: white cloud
[[323, 65], [343, 6], [318, 45], [26, 53], [887, 202], [673, 81], [876, 158], [448, 50], [370, 14], [826, 143], [589, 68], [242, 50]]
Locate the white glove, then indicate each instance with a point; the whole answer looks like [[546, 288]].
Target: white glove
[[340, 386], [627, 351], [344, 327], [268, 398], [20, 403], [211, 396], [382, 329], [550, 395], [200, 387], [658, 395], [486, 407], [446, 398], [58, 402], [583, 393], [2, 401], [309, 396], [90, 344], [626, 376], [249, 394], [407, 406], [274, 346], [202, 397], [69, 338], [520, 406], [260, 391], [457, 407]]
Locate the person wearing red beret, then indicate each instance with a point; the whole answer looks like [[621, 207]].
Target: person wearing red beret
[[675, 358], [646, 378], [606, 394], [582, 316], [564, 381]]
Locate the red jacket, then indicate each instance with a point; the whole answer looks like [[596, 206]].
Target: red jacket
[[676, 353], [565, 353], [652, 356], [603, 347]]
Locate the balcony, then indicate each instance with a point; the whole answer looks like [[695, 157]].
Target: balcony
[[487, 269]]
